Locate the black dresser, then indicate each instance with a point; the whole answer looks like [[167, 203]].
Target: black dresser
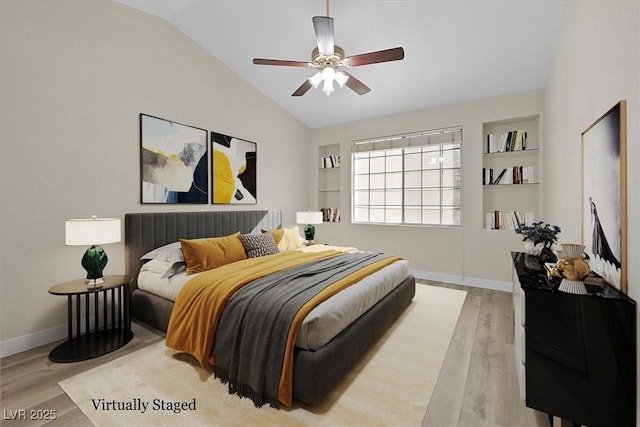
[[576, 354]]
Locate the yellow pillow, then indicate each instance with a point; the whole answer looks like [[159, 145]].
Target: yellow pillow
[[277, 234], [205, 254], [286, 238]]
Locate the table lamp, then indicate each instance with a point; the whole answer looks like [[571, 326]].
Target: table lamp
[[93, 231], [309, 218]]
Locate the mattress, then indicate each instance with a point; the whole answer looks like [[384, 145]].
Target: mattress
[[324, 322]]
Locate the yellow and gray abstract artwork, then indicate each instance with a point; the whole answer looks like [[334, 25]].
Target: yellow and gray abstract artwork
[[173, 162], [234, 167]]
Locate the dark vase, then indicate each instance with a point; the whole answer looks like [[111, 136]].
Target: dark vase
[[547, 255]]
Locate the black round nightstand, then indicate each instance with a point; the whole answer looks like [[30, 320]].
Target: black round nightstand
[[109, 314]]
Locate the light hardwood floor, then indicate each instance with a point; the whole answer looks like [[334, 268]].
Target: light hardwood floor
[[476, 387], [478, 384]]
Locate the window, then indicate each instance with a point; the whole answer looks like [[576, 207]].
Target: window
[[409, 179]]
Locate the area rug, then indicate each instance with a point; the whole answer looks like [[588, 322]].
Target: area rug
[[390, 386]]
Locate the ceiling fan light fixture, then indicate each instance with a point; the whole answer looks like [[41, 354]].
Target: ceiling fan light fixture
[[315, 79], [328, 87], [328, 75], [341, 78]]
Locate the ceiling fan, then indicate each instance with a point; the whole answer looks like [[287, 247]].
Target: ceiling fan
[[327, 57]]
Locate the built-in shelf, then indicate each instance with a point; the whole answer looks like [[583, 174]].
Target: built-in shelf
[[511, 185], [329, 181], [531, 151], [511, 151]]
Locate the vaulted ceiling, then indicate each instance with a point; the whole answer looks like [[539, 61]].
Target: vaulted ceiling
[[454, 50]]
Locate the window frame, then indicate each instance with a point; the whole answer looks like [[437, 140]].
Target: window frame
[[402, 148]]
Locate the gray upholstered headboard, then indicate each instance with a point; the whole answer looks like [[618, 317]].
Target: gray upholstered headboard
[[146, 231]]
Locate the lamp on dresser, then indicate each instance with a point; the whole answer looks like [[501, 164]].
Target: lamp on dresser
[[93, 231], [309, 218]]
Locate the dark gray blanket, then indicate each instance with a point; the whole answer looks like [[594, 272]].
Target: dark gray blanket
[[252, 333]]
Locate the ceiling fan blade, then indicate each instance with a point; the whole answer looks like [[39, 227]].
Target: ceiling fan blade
[[323, 26], [304, 87], [356, 85], [261, 61], [386, 55]]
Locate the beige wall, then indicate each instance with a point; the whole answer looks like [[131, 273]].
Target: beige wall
[[596, 64], [74, 77], [470, 253]]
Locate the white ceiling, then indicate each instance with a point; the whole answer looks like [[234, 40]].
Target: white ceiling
[[454, 50]]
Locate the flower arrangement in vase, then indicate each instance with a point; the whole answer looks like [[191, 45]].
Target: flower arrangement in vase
[[538, 239]]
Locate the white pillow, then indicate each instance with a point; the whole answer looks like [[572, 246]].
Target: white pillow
[[291, 239], [169, 252], [164, 268], [286, 238]]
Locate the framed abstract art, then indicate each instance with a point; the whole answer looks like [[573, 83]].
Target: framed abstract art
[[604, 192], [173, 162], [234, 170]]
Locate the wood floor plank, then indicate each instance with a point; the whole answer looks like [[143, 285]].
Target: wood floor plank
[[481, 363], [75, 418], [446, 400]]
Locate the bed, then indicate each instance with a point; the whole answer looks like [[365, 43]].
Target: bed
[[315, 371]]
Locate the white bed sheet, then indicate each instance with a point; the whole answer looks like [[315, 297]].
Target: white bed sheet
[[325, 321]]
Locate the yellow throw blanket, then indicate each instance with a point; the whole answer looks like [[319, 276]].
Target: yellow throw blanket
[[200, 303]]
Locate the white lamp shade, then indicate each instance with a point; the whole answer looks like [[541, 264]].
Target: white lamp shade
[[309, 217], [92, 231]]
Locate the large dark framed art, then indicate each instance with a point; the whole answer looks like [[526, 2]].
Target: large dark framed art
[[604, 195], [234, 170], [173, 162]]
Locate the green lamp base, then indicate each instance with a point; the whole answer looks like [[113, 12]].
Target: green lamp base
[[94, 261], [309, 232]]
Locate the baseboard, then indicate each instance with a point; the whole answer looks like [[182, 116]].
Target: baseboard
[[37, 339], [475, 282], [31, 341], [28, 342]]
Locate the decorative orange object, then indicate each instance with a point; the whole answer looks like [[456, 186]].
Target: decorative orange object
[[571, 269]]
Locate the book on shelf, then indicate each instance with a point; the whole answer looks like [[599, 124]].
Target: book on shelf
[[487, 176], [330, 162], [515, 175], [497, 181], [330, 214], [522, 175], [515, 140], [501, 220]]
